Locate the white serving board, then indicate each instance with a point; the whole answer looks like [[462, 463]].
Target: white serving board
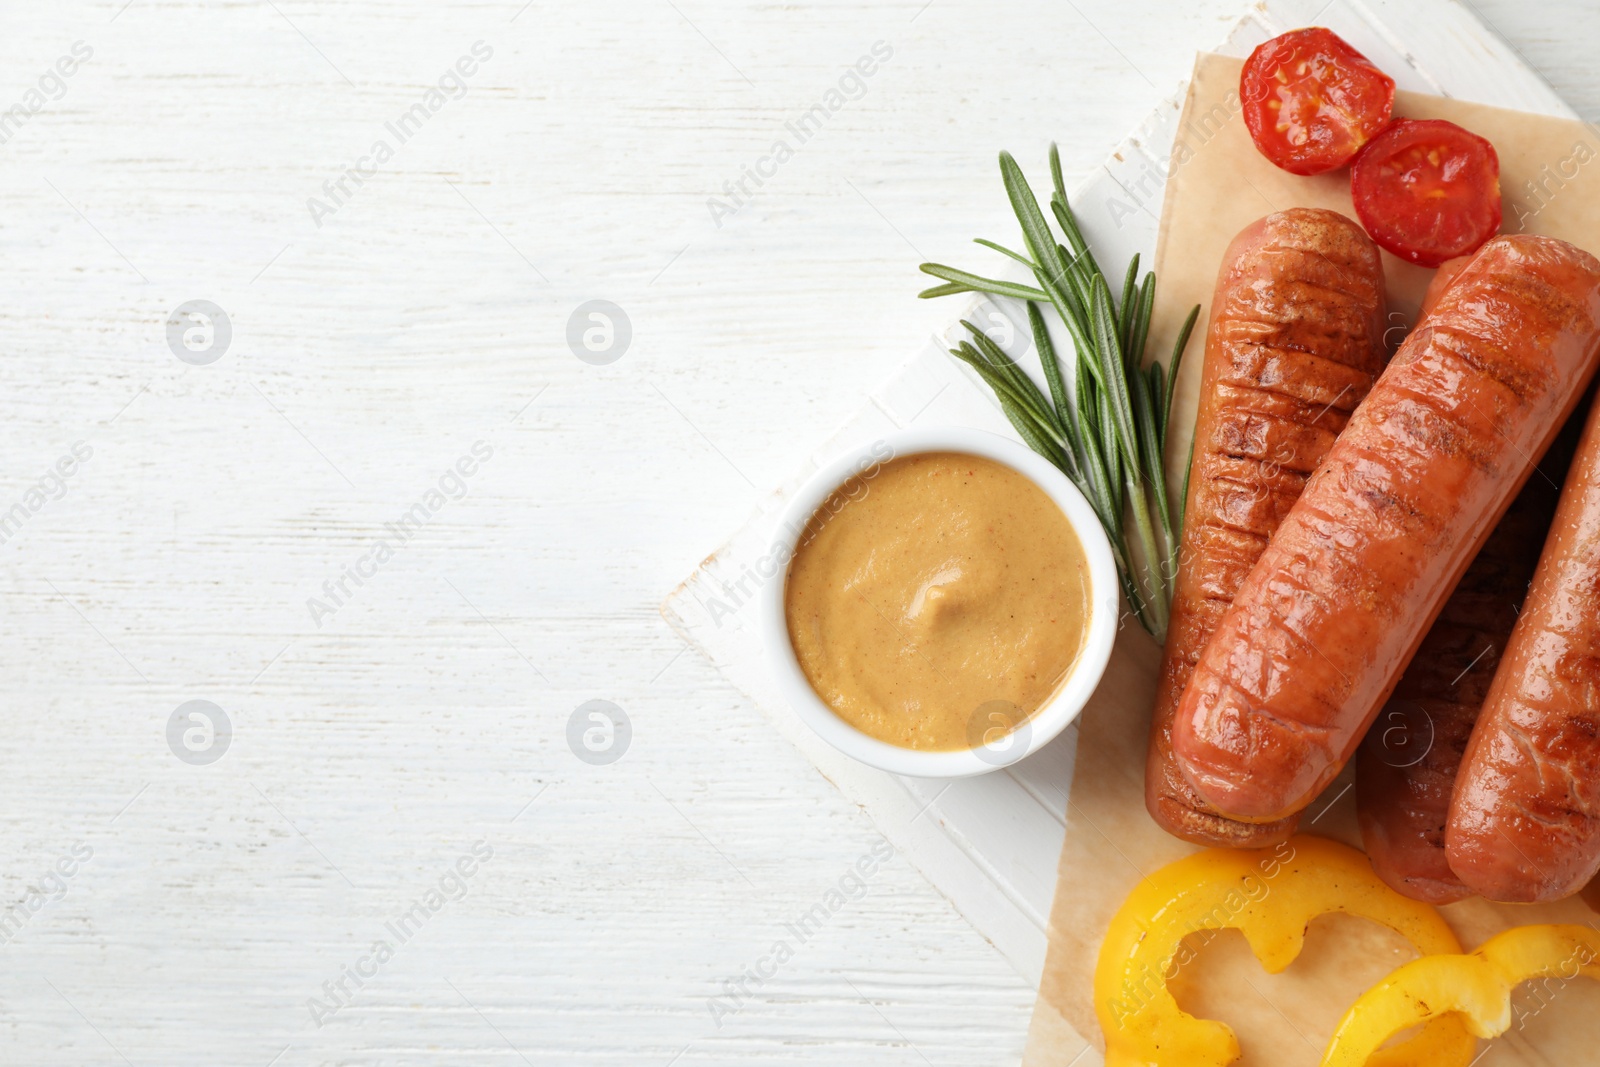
[[991, 843]]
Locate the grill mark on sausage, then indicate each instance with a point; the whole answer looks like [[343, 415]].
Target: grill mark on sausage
[[1306, 412], [1294, 480], [1270, 716], [1335, 295], [1555, 778], [1415, 433], [1280, 367], [1490, 360], [1431, 429], [1230, 502], [1253, 438], [1232, 527], [1283, 424], [1318, 309]]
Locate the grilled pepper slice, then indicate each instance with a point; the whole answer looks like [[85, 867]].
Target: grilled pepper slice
[[1269, 895], [1477, 985]]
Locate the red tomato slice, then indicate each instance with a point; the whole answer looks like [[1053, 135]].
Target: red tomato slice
[[1427, 190], [1311, 101]]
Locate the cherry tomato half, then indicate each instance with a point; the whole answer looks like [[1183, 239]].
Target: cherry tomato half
[[1427, 190], [1311, 101]]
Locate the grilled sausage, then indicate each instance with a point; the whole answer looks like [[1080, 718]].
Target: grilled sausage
[[1525, 815], [1295, 343], [1322, 627], [1406, 766]]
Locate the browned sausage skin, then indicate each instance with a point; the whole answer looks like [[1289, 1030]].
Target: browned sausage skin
[[1525, 815], [1406, 766], [1323, 626], [1295, 342]]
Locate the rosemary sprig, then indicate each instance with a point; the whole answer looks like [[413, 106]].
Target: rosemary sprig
[[1108, 432]]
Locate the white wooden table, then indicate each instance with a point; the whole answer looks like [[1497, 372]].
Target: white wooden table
[[213, 910]]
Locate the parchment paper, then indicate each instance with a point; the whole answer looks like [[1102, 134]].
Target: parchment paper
[[1217, 184]]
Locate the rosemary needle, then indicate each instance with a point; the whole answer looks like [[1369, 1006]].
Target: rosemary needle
[[1108, 432]]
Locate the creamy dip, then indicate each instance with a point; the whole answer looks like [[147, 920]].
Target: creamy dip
[[937, 600]]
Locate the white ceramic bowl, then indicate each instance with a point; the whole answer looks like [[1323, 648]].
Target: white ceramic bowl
[[1048, 721]]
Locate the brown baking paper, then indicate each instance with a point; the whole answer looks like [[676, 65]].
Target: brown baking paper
[[1217, 184]]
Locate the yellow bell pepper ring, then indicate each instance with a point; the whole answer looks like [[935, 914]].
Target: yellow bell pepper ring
[[1476, 987], [1269, 895]]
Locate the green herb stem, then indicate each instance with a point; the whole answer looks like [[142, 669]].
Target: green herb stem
[[1108, 431]]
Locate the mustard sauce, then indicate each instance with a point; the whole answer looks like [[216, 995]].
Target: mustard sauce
[[937, 597]]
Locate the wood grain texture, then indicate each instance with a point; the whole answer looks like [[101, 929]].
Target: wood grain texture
[[368, 354]]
